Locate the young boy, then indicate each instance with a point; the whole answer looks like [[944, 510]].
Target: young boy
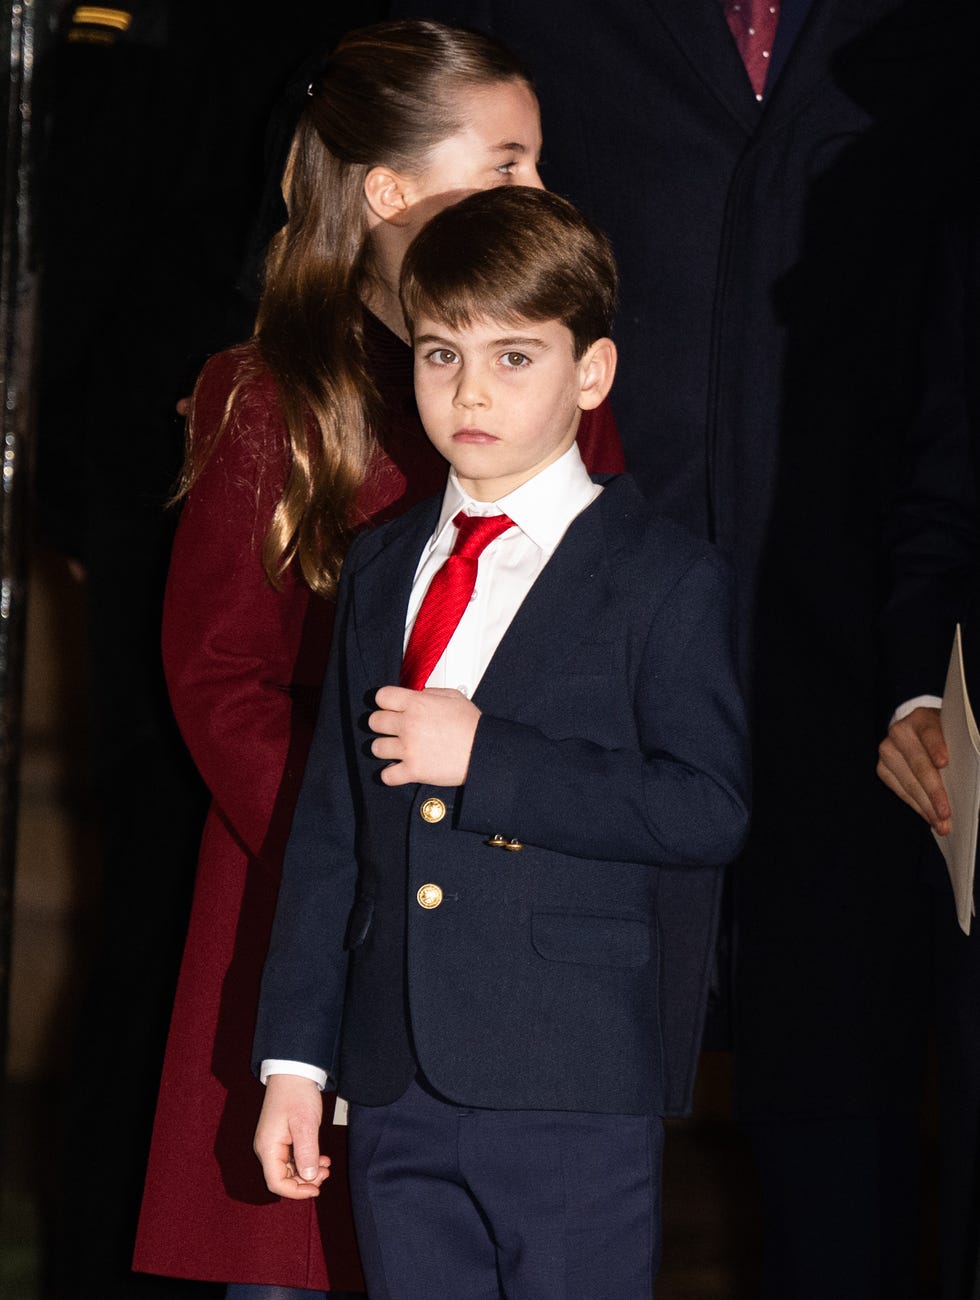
[[497, 911]]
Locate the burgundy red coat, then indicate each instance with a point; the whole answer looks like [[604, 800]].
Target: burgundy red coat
[[244, 664]]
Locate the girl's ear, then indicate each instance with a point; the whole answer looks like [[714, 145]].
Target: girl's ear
[[386, 192], [597, 368]]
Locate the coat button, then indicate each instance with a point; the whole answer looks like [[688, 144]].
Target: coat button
[[433, 810], [498, 842], [429, 896]]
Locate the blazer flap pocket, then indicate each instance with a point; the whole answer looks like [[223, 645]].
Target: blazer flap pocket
[[359, 921], [590, 938]]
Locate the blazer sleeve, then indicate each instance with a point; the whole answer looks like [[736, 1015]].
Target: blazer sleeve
[[599, 442], [305, 974], [230, 640], [679, 796]]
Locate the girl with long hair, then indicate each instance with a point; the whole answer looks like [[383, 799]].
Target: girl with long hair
[[298, 438]]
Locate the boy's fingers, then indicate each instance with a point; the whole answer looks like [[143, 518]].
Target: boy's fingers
[[389, 747], [322, 1173], [280, 1174], [306, 1152], [394, 698], [396, 774], [385, 723]]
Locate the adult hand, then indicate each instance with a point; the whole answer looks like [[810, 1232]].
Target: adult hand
[[910, 760]]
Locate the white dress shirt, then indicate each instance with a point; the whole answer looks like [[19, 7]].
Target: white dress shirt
[[542, 510]]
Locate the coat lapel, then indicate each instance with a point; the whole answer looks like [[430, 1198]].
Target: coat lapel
[[699, 29], [812, 47], [382, 591], [808, 31]]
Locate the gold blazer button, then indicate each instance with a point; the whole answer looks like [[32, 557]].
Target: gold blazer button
[[429, 896], [433, 810], [499, 842]]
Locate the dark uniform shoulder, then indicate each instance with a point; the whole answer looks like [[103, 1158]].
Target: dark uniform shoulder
[[644, 535]]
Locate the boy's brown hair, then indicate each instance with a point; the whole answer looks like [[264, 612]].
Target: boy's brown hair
[[512, 254]]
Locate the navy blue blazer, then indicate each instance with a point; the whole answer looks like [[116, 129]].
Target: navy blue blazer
[[571, 974]]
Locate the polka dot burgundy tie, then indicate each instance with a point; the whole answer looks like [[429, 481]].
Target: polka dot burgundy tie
[[753, 24], [448, 595]]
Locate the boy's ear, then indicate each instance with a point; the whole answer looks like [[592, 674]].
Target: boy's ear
[[386, 192], [597, 369]]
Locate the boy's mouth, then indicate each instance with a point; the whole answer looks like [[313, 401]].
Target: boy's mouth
[[474, 436]]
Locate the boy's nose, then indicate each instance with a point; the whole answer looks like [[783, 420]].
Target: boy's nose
[[470, 393]]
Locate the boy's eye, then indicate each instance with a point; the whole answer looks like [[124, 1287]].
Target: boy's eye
[[507, 168], [514, 360], [442, 357]]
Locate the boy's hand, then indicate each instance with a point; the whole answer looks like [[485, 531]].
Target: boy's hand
[[910, 760], [426, 736], [287, 1138]]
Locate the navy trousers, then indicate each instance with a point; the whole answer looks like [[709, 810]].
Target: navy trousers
[[483, 1204]]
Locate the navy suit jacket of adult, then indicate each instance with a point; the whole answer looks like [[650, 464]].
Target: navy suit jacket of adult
[[935, 531], [571, 974]]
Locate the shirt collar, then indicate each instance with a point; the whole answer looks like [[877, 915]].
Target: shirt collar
[[542, 508]]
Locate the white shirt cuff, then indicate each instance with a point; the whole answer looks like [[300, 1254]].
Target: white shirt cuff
[[299, 1068], [920, 702]]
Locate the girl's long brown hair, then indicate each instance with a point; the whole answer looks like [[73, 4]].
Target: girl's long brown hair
[[386, 96]]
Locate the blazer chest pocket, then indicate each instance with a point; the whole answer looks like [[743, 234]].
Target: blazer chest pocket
[[359, 921], [591, 939]]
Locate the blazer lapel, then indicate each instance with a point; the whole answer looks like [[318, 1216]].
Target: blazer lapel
[[563, 608], [565, 605], [382, 591]]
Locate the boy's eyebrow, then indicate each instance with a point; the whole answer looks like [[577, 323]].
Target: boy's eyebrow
[[513, 146], [428, 338], [517, 341], [509, 341]]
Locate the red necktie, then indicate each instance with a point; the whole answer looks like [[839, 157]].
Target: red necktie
[[448, 595], [753, 24]]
